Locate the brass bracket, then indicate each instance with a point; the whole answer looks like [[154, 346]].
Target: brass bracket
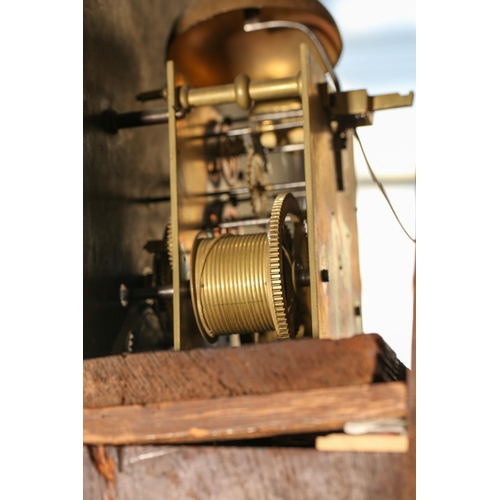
[[356, 107]]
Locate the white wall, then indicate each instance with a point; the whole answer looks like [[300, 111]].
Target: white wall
[[379, 55]]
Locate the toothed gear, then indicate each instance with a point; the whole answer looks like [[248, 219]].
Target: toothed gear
[[170, 243], [165, 266], [162, 266], [282, 257], [162, 275], [257, 180]]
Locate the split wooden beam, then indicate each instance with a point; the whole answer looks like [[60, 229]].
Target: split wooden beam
[[244, 417], [168, 376]]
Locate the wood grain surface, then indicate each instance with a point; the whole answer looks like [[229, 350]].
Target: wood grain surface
[[244, 417], [165, 376], [246, 473]]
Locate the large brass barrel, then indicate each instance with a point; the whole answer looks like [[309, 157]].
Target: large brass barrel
[[233, 287]]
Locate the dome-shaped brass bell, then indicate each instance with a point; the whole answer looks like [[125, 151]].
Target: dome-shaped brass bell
[[210, 46]]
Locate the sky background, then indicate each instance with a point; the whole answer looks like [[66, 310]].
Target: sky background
[[379, 55]]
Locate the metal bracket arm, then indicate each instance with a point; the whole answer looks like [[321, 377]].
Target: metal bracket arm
[[358, 102]]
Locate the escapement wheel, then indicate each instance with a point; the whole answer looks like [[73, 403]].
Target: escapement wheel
[[249, 283]]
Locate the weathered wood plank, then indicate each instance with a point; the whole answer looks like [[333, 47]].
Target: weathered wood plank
[[165, 376], [244, 417], [247, 473]]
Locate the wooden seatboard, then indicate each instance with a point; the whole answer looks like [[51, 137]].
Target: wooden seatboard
[[166, 376]]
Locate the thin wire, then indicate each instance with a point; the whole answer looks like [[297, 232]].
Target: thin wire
[[380, 186]]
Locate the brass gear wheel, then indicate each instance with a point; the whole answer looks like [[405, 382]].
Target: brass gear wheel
[[285, 252], [257, 181]]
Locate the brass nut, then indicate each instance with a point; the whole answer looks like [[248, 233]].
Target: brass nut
[[184, 97], [242, 93]]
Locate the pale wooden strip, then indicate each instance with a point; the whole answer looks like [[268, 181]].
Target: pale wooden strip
[[244, 417], [377, 443]]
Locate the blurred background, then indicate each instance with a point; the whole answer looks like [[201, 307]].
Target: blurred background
[[379, 55]]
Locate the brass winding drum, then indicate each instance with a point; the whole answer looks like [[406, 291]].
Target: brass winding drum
[[248, 283]]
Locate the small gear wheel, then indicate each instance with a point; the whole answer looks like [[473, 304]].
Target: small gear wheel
[[170, 243], [162, 275], [162, 263], [257, 182]]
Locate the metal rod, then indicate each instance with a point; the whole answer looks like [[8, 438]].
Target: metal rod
[[248, 222], [152, 95], [159, 292], [244, 223], [142, 118], [116, 121], [128, 295], [232, 192], [235, 132], [287, 185], [279, 115], [289, 148], [242, 92], [133, 294]]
